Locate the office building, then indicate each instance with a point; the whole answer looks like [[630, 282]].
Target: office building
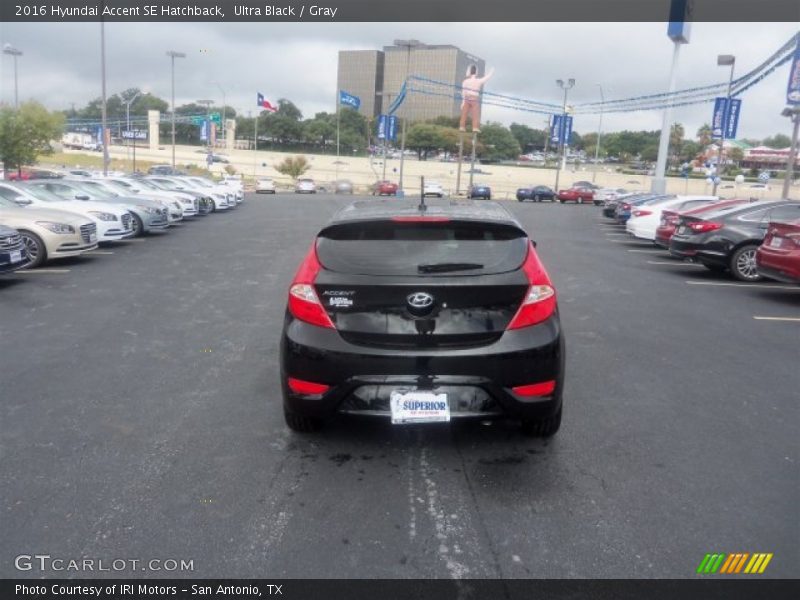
[[376, 77]]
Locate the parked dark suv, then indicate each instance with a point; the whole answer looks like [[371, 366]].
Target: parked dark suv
[[423, 315]]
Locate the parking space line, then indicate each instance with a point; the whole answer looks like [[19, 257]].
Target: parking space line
[[29, 271], [673, 263], [791, 288], [614, 233], [647, 251], [98, 252], [793, 319]]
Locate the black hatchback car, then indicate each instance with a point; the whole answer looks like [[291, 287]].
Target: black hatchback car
[[423, 315], [726, 239]]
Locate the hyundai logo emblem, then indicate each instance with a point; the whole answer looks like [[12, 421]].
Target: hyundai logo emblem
[[420, 300]]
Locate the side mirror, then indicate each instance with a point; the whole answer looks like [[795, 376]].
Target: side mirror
[[22, 201], [81, 197]]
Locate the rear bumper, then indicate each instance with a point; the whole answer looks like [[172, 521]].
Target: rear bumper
[[478, 381]]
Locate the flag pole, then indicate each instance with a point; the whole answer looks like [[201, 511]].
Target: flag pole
[[255, 144]]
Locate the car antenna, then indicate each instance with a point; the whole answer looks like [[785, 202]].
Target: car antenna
[[422, 207]]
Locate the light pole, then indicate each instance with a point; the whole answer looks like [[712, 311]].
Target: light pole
[[562, 164], [104, 113], [794, 114], [224, 121], [408, 45], [209, 157], [599, 131], [11, 51], [724, 60], [173, 55]]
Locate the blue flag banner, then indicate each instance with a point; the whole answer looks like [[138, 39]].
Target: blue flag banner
[[401, 96], [732, 118], [391, 129], [204, 131], [793, 88], [382, 124], [555, 129], [718, 120], [567, 131], [349, 100]]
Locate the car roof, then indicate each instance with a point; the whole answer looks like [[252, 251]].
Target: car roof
[[460, 210], [743, 208]]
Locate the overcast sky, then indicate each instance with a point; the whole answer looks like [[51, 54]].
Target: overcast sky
[[61, 63]]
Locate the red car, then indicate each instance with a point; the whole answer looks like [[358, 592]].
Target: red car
[[669, 219], [578, 195], [778, 257], [384, 188]]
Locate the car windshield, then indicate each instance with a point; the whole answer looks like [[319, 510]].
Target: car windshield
[[122, 187], [40, 193], [92, 188]]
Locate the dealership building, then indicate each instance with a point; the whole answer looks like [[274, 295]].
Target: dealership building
[[376, 77]]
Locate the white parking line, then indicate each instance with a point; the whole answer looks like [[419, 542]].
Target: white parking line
[[793, 319], [98, 252], [648, 251], [791, 288], [34, 271], [673, 263], [617, 233]]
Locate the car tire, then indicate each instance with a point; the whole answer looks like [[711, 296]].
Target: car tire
[[743, 264], [562, 201], [544, 427], [536, 198], [137, 226], [301, 423], [36, 248], [213, 206]]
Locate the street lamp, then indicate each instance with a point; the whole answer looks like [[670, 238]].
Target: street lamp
[[408, 45], [794, 114], [173, 55], [104, 114], [224, 121], [562, 164], [11, 51], [599, 130], [724, 60]]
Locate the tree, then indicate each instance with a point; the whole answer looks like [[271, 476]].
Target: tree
[[26, 133], [778, 141], [293, 166], [321, 129], [676, 133], [498, 143], [527, 137], [425, 138], [704, 135], [736, 154]]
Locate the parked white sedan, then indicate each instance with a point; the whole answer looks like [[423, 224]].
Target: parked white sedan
[[265, 185], [433, 188], [645, 219]]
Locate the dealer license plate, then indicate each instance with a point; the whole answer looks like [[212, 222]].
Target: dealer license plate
[[16, 256], [681, 229], [92, 238], [419, 407], [775, 242]]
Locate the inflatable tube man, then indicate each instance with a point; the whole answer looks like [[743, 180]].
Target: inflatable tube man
[[471, 93]]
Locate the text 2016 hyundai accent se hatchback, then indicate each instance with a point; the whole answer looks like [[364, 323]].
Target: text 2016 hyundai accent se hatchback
[[423, 316]]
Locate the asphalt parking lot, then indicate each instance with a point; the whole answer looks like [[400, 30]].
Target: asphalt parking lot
[[140, 418]]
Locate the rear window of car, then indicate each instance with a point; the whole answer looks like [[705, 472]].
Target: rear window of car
[[785, 214], [399, 248]]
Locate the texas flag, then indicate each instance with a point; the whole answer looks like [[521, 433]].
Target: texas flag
[[265, 103]]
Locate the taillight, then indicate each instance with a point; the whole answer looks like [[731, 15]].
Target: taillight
[[795, 237], [704, 226], [642, 213], [544, 388], [307, 388], [540, 299], [303, 301]]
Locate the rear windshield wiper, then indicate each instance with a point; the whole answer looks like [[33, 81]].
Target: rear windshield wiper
[[445, 267]]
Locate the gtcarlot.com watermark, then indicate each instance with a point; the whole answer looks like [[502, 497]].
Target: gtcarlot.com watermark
[[47, 563]]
